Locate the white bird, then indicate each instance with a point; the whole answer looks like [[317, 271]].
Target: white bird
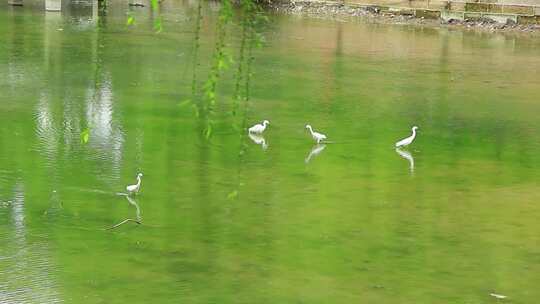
[[259, 140], [318, 137], [135, 188], [259, 128], [407, 141]]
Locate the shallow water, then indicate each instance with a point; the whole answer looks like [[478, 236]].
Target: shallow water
[[448, 220]]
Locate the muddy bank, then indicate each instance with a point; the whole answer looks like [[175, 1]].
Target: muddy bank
[[337, 11]]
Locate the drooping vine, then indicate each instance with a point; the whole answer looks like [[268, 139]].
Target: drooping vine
[[220, 62]]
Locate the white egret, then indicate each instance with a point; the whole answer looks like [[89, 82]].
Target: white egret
[[259, 140], [259, 128], [135, 188], [316, 150], [318, 137], [407, 141], [408, 157]]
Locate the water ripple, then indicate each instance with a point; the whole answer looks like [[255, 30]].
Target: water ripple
[[28, 273]]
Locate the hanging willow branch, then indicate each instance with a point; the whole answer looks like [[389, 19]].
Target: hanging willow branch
[[220, 62]]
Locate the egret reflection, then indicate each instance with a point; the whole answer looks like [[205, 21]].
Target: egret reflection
[[316, 150], [136, 220], [259, 140], [408, 157], [132, 202]]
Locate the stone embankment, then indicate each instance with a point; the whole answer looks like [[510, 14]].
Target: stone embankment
[[492, 17]]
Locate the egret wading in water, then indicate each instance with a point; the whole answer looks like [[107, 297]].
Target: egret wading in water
[[407, 141], [135, 188], [318, 137], [259, 128]]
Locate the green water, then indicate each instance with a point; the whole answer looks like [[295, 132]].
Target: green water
[[226, 221]]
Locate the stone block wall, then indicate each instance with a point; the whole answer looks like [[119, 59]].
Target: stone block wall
[[520, 11]]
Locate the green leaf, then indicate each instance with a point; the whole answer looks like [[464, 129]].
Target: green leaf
[[85, 135], [208, 132], [232, 195], [157, 25], [130, 20], [221, 64]]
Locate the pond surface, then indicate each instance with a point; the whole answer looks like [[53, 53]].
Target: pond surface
[[451, 219]]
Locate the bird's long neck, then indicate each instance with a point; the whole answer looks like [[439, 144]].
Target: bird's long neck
[[413, 133], [138, 181], [310, 130]]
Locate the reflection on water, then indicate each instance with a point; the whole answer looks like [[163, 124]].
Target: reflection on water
[[105, 133], [407, 156], [17, 215], [316, 150], [132, 202], [27, 273], [258, 140], [230, 224], [46, 130]]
